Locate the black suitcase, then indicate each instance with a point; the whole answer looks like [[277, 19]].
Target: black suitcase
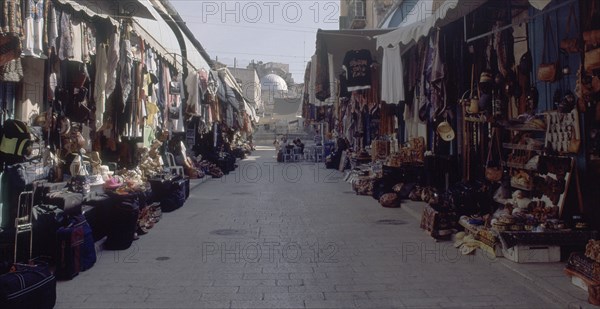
[[175, 197], [69, 202], [96, 209], [88, 247], [70, 239], [186, 183], [31, 287], [124, 216], [47, 219], [43, 188]]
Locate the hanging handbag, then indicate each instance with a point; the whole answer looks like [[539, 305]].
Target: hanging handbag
[[174, 112], [12, 71], [547, 71], [494, 173], [592, 60], [571, 43], [592, 36]]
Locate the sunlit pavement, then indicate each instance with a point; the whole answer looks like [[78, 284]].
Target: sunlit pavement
[[273, 235]]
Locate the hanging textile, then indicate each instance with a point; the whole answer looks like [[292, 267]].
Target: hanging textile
[[343, 88], [414, 125], [387, 123], [114, 51], [11, 22], [322, 82], [33, 28], [77, 28], [89, 42], [51, 33], [306, 96], [437, 78], [373, 93], [312, 96], [357, 65], [193, 102], [392, 83], [100, 83], [125, 66], [65, 50]]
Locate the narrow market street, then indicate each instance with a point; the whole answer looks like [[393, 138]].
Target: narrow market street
[[274, 235]]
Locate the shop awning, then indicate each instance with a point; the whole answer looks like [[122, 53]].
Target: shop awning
[[110, 10], [159, 36], [94, 9], [194, 58], [416, 27]]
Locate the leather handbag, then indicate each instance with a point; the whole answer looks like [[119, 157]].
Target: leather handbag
[[592, 36], [547, 70], [574, 145], [592, 60], [571, 43]]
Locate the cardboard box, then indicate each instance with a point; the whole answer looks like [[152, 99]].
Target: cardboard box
[[532, 254]]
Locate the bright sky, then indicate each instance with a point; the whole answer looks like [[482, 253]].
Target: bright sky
[[268, 31]]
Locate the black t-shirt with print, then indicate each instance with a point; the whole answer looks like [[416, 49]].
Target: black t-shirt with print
[[357, 64]]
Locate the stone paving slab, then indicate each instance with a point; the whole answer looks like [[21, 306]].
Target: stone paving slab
[[303, 243]]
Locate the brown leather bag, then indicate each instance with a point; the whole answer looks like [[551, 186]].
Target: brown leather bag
[[571, 43], [548, 70]]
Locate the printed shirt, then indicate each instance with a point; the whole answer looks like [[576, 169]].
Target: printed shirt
[[357, 65]]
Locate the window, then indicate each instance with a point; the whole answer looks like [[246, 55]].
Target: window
[[359, 8]]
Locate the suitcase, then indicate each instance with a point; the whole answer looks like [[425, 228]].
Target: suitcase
[[161, 185], [69, 202], [88, 248], [175, 197], [69, 242], [124, 217], [187, 186], [47, 219], [96, 208], [31, 287], [44, 188]]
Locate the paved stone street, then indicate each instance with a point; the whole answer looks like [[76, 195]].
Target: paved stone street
[[296, 236]]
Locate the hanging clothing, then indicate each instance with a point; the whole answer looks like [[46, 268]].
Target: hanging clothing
[[322, 82], [77, 27], [192, 85], [65, 51], [437, 78], [373, 98], [126, 65], [89, 43], [33, 28], [11, 22], [331, 80], [51, 23], [312, 95], [113, 53], [357, 65], [392, 83], [100, 83], [305, 93]]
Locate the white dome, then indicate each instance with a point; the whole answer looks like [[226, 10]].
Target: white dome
[[273, 82]]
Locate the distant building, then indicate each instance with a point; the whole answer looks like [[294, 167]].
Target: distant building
[[364, 14], [250, 83]]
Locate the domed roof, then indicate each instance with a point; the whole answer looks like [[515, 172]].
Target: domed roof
[[273, 82]]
